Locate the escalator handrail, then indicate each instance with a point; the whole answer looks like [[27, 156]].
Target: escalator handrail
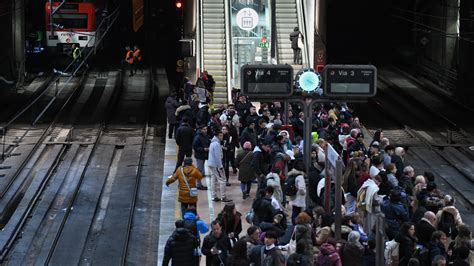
[[302, 26]]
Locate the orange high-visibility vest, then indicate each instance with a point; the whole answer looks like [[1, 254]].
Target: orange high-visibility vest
[[137, 54], [129, 57]]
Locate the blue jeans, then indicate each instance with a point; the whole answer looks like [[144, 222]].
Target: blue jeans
[[245, 187], [200, 167]]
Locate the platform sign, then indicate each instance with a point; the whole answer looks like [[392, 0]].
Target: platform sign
[[266, 81], [350, 80]]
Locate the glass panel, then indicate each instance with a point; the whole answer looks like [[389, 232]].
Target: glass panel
[[251, 29], [70, 21]]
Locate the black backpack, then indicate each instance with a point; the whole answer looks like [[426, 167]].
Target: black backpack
[[289, 187], [447, 224]]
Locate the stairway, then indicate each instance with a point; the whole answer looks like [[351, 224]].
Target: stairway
[[214, 53], [286, 20]]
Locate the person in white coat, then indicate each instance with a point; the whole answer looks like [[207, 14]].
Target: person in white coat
[[298, 201]]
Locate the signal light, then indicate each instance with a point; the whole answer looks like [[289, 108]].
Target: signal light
[[179, 4]]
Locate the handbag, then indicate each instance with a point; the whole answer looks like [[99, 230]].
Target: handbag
[[193, 192], [292, 244], [300, 41]]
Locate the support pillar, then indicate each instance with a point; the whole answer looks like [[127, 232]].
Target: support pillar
[[18, 36]]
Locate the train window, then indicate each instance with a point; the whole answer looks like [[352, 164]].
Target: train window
[[71, 21]]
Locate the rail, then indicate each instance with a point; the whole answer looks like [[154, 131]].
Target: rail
[[228, 49], [200, 37], [302, 25]]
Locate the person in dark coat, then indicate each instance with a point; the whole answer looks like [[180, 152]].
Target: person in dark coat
[[395, 213], [263, 209], [231, 220], [216, 245], [425, 228], [181, 247], [238, 256], [271, 256], [185, 111], [230, 142], [300, 258], [184, 136], [438, 244], [294, 36], [261, 161], [171, 105], [249, 133], [246, 172], [407, 241], [201, 145], [353, 250], [203, 116]]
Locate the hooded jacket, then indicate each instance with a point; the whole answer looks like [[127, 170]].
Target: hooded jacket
[[372, 190], [215, 153], [202, 227], [180, 248], [328, 256], [453, 211]]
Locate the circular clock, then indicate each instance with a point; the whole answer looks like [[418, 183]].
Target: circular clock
[[308, 80]]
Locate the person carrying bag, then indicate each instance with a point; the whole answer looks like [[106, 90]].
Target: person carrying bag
[[187, 176]]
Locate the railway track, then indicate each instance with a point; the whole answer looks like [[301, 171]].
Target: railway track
[[87, 196], [420, 128]]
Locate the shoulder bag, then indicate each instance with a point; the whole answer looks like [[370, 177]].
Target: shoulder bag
[[193, 192]]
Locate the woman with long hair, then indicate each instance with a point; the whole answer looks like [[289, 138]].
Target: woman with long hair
[[231, 221], [349, 184], [238, 256], [407, 241]]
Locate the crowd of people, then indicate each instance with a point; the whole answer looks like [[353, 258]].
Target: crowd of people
[[288, 224]]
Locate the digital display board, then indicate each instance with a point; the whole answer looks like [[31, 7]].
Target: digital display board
[[350, 80], [266, 81]]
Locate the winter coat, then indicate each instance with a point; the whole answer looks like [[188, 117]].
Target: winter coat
[[202, 94], [273, 180], [397, 160], [215, 153], [423, 231], [263, 210], [185, 111], [273, 257], [248, 134], [192, 174], [328, 256], [395, 215], [233, 225], [184, 137], [203, 116], [233, 261], [201, 226], [353, 255], [405, 249], [243, 161], [180, 249], [261, 161], [171, 105], [299, 200], [453, 211], [294, 39], [222, 243], [199, 143]]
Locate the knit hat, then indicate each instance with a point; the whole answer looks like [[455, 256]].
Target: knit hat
[[247, 145]]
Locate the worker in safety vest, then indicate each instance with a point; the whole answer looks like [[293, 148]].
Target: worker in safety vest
[[137, 58], [129, 59], [76, 56]]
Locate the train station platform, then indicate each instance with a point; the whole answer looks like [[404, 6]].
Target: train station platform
[[207, 209]]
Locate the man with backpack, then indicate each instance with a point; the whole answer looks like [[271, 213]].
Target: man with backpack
[[181, 246]]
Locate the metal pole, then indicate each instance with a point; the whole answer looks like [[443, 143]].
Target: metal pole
[[286, 111], [327, 183], [338, 201], [379, 239], [308, 126]]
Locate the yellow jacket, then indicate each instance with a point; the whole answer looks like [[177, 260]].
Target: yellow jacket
[[192, 174]]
